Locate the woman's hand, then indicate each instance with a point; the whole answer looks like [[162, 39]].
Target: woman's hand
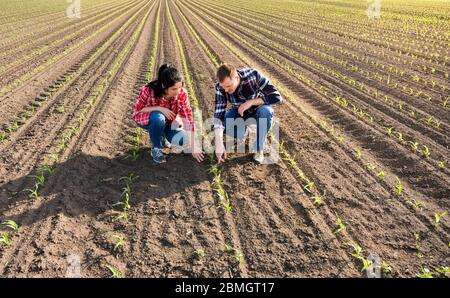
[[198, 156], [166, 112]]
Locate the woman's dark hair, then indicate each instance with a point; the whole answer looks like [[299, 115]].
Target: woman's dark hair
[[167, 77]]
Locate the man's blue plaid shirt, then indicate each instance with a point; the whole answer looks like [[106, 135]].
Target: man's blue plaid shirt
[[253, 85]]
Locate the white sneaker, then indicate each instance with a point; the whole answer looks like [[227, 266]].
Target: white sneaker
[[259, 157]]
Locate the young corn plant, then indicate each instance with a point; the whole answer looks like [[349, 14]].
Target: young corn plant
[[416, 204], [198, 253], [60, 109], [11, 224], [426, 152], [398, 187], [438, 218], [33, 193], [341, 227], [118, 242], [425, 273], [115, 272], [4, 238]]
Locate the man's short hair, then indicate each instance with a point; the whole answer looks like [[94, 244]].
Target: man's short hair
[[225, 71]]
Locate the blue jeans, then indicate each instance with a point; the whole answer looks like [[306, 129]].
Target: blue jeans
[[158, 129], [263, 116]]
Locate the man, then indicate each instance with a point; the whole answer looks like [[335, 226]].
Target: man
[[251, 96]]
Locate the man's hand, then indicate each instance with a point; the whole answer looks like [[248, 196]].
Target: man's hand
[[221, 153], [248, 104], [198, 156], [244, 107]]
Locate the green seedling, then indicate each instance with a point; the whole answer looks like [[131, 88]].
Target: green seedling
[[390, 131], [119, 242], [309, 186], [33, 192], [199, 253], [358, 153], [438, 217], [115, 272], [229, 248], [40, 180], [317, 200], [129, 179], [426, 152], [341, 225], [425, 273], [46, 169], [385, 268], [400, 136], [443, 270], [226, 204], [55, 156], [414, 145], [416, 204], [371, 166], [11, 224], [441, 164], [398, 187], [5, 239], [238, 257], [3, 137], [60, 109], [381, 174]]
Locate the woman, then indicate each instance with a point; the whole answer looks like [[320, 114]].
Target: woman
[[159, 104]]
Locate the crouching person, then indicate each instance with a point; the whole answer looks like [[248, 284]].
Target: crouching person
[[251, 96], [160, 105]]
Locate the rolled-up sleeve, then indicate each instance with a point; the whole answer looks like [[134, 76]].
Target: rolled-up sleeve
[[270, 93], [219, 110]]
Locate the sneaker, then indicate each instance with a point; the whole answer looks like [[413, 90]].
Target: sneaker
[[259, 157], [158, 155]]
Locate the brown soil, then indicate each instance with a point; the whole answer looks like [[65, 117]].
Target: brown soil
[[173, 208]]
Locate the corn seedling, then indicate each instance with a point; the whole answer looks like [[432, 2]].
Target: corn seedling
[[33, 192], [229, 248], [426, 152], [416, 204], [358, 153], [389, 130], [441, 164], [55, 156], [443, 270], [3, 137], [309, 186], [5, 239], [371, 166], [414, 145], [385, 268], [115, 272], [398, 187], [226, 204], [437, 218], [341, 227], [425, 273], [317, 200], [238, 257], [119, 242], [60, 109], [11, 224], [381, 175], [199, 253]]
